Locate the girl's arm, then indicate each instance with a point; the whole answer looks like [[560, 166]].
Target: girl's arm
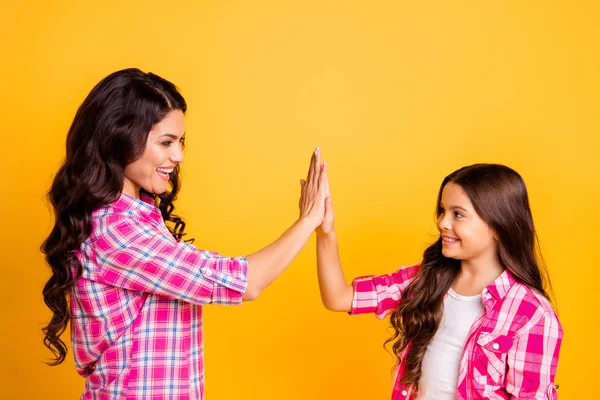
[[265, 265], [336, 294], [368, 294]]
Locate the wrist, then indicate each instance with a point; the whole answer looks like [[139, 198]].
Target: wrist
[[311, 223], [327, 236]]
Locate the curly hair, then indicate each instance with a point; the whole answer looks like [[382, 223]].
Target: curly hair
[[109, 131]]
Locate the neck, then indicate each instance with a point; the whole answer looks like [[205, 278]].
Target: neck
[[475, 275], [131, 189]]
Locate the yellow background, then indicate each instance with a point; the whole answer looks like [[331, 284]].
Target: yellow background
[[397, 93]]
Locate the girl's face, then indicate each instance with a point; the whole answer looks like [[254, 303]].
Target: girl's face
[[465, 236], [164, 150]]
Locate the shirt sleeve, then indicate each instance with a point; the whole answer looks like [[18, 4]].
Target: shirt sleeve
[[138, 256], [381, 294], [533, 360]]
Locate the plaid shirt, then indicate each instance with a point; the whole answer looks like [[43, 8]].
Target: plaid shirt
[[512, 349], [137, 309]]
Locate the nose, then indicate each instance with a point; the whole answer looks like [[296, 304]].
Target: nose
[[177, 154], [443, 223]]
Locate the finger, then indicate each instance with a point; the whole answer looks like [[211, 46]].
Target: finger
[[301, 199], [317, 174], [328, 204], [323, 181], [311, 168], [328, 217]]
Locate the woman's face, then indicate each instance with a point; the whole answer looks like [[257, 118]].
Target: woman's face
[[164, 150]]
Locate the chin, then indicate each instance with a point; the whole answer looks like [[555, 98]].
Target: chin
[[159, 189], [450, 254]]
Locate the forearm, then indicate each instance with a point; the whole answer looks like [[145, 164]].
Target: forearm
[[336, 294], [265, 265]]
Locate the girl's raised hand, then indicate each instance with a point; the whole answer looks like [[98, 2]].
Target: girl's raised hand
[[327, 226]]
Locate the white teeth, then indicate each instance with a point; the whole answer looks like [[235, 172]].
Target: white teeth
[[164, 171]]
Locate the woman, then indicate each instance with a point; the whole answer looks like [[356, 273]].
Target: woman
[[135, 288]]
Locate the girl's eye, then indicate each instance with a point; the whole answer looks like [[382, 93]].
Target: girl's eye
[[182, 142], [458, 215], [166, 144]]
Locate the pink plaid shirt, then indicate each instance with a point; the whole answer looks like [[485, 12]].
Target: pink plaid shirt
[[137, 309], [512, 349]]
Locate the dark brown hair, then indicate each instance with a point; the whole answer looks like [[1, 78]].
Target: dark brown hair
[[109, 131], [499, 197]]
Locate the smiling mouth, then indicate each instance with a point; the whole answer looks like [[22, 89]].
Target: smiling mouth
[[164, 173], [449, 240]]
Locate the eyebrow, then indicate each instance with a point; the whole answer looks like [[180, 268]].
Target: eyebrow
[[170, 135], [455, 208]]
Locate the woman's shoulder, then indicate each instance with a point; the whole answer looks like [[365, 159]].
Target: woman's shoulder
[[111, 216], [108, 215], [127, 207]]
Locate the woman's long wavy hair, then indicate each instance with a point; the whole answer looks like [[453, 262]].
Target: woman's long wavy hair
[[109, 131], [499, 197]]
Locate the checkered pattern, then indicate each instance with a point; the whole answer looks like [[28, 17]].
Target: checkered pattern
[[137, 309], [512, 349]]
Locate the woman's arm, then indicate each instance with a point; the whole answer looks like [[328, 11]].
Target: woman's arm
[[265, 265]]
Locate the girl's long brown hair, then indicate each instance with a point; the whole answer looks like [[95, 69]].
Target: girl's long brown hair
[[109, 131], [499, 197]]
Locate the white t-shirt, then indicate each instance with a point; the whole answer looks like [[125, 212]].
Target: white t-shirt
[[439, 369]]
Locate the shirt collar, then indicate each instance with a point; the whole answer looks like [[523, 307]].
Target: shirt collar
[[145, 205], [500, 287]]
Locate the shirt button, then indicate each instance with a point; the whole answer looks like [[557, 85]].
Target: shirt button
[[496, 346], [404, 393], [208, 272]]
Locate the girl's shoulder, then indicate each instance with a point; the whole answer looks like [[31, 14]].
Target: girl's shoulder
[[407, 272], [401, 278], [530, 306], [525, 294]]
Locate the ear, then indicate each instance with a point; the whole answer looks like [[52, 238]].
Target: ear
[[495, 235]]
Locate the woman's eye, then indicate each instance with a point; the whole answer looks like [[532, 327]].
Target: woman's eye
[[166, 144], [458, 215]]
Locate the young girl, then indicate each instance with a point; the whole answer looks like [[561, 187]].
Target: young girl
[[135, 289], [472, 320]]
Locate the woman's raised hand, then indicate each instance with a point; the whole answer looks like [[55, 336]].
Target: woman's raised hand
[[314, 190]]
